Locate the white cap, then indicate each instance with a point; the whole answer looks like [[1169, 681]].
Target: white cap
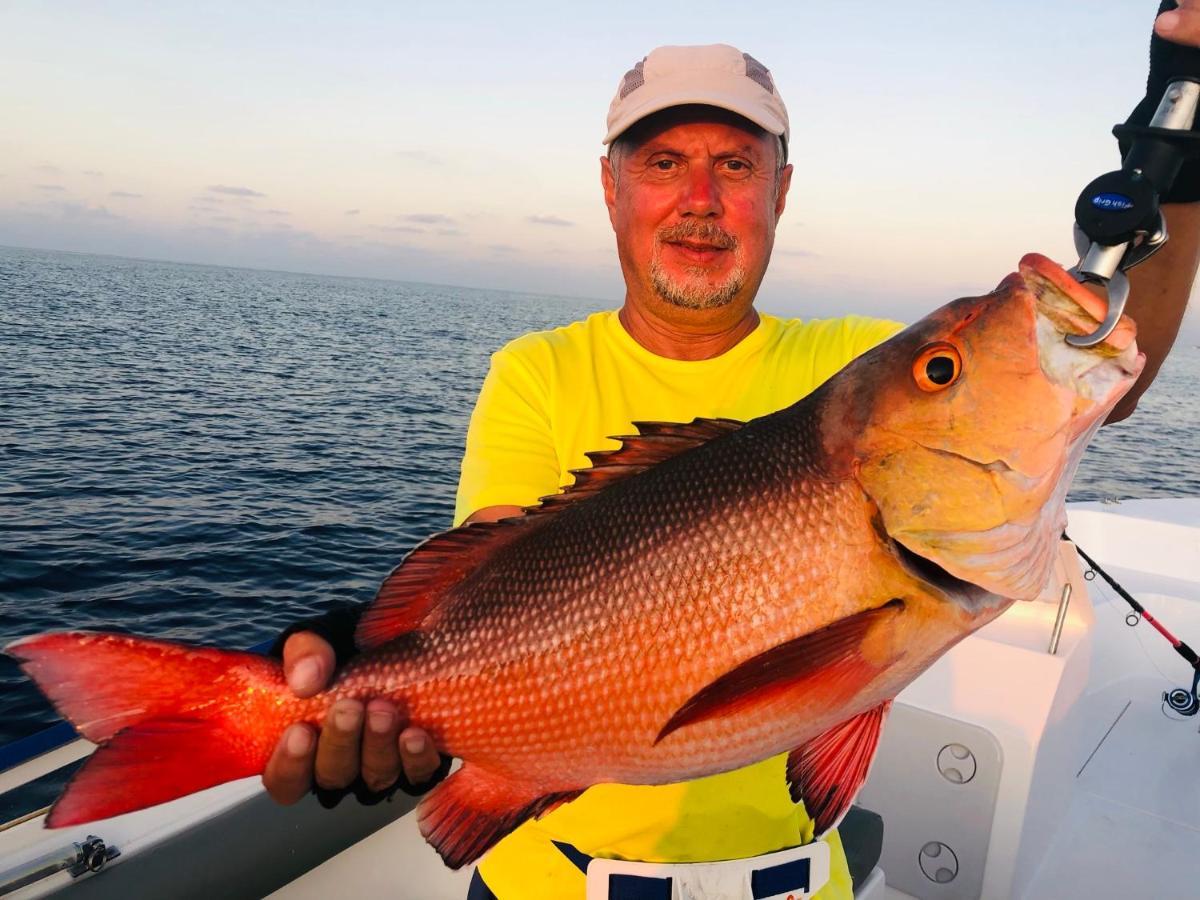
[[713, 75]]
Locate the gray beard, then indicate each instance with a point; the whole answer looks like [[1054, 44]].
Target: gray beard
[[696, 292]]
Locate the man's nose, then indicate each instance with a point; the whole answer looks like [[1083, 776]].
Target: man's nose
[[701, 194]]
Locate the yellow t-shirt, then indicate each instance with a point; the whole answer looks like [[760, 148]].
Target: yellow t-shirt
[[549, 398]]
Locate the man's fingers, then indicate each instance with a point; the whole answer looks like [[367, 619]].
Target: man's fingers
[[380, 746], [289, 771], [308, 661], [338, 747], [418, 755], [1181, 25]]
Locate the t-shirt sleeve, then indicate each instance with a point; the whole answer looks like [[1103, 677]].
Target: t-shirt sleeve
[[865, 333], [510, 456]]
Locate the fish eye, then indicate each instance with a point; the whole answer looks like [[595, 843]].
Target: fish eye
[[937, 366]]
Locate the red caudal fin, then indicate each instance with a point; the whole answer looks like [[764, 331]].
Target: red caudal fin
[[473, 809], [828, 771], [170, 719], [151, 763]]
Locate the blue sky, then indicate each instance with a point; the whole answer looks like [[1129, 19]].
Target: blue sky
[[934, 142]]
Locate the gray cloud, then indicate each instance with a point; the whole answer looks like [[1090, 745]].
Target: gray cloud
[[95, 173], [406, 229], [49, 187], [353, 212], [234, 191], [51, 170], [86, 213], [804, 254], [502, 248], [277, 212], [427, 219], [550, 220], [130, 195], [224, 219], [449, 232]]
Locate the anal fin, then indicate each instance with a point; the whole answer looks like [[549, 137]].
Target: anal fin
[[465, 815], [827, 772]]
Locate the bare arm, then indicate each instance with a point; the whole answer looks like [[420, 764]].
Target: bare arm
[[1159, 291], [1159, 288], [492, 513]]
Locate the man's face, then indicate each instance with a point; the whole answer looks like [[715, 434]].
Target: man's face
[[694, 206]]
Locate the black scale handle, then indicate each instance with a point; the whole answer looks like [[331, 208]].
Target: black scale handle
[[1120, 206]]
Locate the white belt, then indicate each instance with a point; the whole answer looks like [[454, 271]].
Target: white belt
[[793, 874]]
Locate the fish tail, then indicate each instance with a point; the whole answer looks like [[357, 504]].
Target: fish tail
[[169, 718]]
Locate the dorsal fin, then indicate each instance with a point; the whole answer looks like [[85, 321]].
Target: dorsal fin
[[413, 589], [654, 443], [407, 595]]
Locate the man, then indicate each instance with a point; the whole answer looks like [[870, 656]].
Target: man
[[695, 181]]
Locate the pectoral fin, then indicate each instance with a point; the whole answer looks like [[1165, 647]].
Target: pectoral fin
[[827, 663], [828, 771]]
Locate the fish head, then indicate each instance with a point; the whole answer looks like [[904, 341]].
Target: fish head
[[966, 428]]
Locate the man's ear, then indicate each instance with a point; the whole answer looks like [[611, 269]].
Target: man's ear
[[609, 182], [785, 182]]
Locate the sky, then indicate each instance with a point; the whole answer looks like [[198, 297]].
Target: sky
[[458, 143]]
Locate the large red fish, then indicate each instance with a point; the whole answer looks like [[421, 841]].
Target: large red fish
[[707, 596]]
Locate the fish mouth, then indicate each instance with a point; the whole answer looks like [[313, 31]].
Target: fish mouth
[[1101, 374], [965, 593]]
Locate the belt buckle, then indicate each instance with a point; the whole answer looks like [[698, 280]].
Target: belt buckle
[[793, 874]]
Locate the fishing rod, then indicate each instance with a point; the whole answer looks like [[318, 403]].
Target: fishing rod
[[1118, 220], [1181, 700]]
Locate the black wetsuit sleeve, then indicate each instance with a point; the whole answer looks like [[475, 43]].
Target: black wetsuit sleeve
[[1169, 61]]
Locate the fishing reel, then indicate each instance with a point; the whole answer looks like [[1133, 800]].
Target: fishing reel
[[1118, 223], [1183, 701]]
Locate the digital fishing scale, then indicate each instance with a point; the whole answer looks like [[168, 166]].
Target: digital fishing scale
[[1118, 223]]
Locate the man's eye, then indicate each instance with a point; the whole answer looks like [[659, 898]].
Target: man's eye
[[663, 165], [740, 166]]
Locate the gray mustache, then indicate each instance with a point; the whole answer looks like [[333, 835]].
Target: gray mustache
[[706, 232]]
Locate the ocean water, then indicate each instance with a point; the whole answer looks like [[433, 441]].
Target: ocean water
[[209, 454]]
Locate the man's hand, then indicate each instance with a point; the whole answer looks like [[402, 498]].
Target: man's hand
[[354, 738], [1182, 25]]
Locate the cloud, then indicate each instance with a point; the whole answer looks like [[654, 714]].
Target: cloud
[[95, 173], [502, 248], [234, 191], [49, 187], [353, 212], [406, 229], [427, 219], [51, 170], [224, 219], [550, 220], [129, 195], [87, 213], [277, 212], [419, 156], [804, 254], [449, 232]]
